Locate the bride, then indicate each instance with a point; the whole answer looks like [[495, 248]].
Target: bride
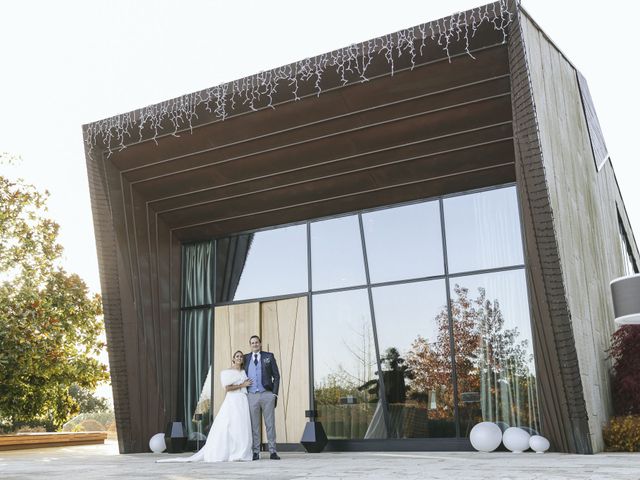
[[229, 439]]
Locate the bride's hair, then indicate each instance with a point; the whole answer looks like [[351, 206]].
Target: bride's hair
[[239, 352]]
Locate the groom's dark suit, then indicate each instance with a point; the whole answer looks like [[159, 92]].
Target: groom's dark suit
[[263, 397], [270, 372]]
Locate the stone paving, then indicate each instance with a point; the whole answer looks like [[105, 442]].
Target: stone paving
[[103, 461]]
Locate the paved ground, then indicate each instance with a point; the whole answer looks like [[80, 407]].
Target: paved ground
[[103, 461]]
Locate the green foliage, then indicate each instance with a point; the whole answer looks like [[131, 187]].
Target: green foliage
[[28, 246], [622, 434], [50, 325], [332, 390], [89, 426], [105, 418], [625, 381], [87, 401]]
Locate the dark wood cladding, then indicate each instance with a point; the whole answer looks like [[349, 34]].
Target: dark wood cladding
[[368, 178], [400, 136], [563, 409], [440, 128]]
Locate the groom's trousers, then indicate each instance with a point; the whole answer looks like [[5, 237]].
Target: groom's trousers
[[265, 403]]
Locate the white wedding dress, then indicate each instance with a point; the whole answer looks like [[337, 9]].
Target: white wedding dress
[[229, 439]]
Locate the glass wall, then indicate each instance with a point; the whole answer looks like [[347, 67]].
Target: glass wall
[[346, 387], [262, 264], [336, 254], [419, 313], [413, 335], [404, 242], [483, 231], [490, 320], [629, 263], [494, 352]]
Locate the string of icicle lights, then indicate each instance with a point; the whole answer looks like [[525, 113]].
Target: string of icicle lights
[[171, 116]]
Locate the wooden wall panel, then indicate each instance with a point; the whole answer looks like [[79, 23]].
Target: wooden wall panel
[[233, 326], [583, 201], [563, 412], [285, 333]]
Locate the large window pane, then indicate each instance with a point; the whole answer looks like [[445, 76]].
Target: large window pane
[[413, 334], [404, 242], [263, 264], [494, 352], [344, 362], [483, 230], [336, 254]]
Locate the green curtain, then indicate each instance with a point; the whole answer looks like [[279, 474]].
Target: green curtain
[[197, 274], [196, 329]]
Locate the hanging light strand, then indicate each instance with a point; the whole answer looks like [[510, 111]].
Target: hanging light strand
[[350, 64]]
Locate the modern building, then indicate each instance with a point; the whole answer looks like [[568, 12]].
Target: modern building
[[422, 227]]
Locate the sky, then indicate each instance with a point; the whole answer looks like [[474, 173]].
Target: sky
[[71, 62]]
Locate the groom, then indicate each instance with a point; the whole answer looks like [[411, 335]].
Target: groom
[[262, 369]]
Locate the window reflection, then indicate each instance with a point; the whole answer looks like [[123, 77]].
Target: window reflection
[[263, 264], [494, 351], [344, 363], [490, 324], [404, 242], [336, 254], [413, 333], [483, 230], [629, 263]]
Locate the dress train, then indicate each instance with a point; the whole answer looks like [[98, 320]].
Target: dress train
[[229, 439]]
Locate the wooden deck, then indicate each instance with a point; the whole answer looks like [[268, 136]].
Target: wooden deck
[[50, 439]]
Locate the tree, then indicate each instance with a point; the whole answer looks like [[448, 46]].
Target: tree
[[491, 362], [50, 325], [87, 401]]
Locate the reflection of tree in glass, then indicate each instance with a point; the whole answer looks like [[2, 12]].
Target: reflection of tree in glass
[[394, 371], [343, 380], [492, 365]]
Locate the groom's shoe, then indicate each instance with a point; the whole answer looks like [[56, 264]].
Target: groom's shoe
[[274, 456], [256, 456]]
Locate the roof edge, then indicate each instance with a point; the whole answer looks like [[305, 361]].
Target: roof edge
[[348, 64]]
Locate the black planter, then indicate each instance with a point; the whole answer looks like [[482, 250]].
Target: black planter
[[175, 437], [314, 438]]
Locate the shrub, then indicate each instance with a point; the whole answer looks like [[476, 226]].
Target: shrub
[[112, 433], [622, 434], [91, 425], [625, 382], [29, 429], [75, 424], [32, 426]]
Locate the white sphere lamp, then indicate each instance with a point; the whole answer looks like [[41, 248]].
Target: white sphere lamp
[[516, 439], [485, 436], [539, 444], [157, 444]]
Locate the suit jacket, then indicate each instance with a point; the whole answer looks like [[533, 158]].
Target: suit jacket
[[270, 372]]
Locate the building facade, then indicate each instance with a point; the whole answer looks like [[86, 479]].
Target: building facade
[[421, 227]]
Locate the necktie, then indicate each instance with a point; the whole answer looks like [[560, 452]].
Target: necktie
[[255, 359]]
